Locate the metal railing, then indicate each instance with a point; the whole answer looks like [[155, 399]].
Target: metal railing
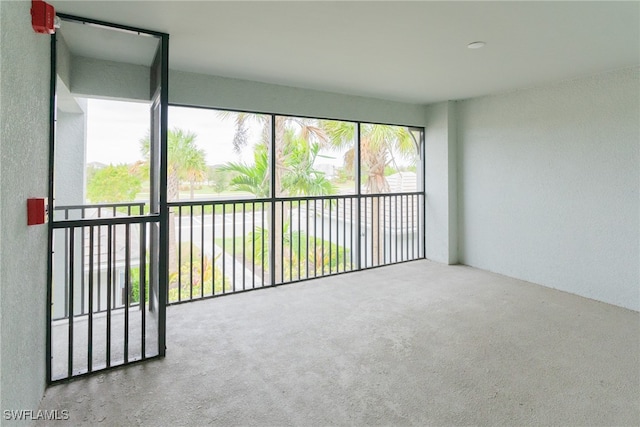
[[78, 240], [222, 247], [100, 287], [103, 271]]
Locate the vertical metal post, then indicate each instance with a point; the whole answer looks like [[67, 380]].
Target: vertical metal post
[[263, 266], [244, 255], [344, 234], [71, 313], [323, 238], [143, 285], [127, 278], [272, 237], [109, 287], [358, 221], [299, 243], [384, 229], [52, 132], [366, 232], [330, 237], [90, 319], [99, 263], [179, 248], [191, 252], [290, 240], [202, 251], [282, 241], [224, 251], [253, 245], [164, 210], [401, 228], [213, 249], [233, 247]]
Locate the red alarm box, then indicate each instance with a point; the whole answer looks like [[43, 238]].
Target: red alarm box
[[37, 211], [42, 17]]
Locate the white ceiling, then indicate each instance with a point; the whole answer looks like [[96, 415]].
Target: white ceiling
[[406, 51]]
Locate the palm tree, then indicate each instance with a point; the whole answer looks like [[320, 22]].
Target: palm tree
[[253, 178], [185, 161], [299, 176], [306, 129], [379, 147]]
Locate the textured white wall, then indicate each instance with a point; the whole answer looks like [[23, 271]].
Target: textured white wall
[[70, 157], [24, 148], [440, 183], [549, 185], [211, 91], [108, 79]]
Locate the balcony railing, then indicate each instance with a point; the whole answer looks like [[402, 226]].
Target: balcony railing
[[105, 249], [223, 247], [100, 309], [103, 261]]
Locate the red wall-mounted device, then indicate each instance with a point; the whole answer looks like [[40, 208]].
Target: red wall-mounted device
[[42, 17], [37, 211]]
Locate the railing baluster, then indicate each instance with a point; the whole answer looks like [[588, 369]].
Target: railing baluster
[[90, 319], [224, 250], [66, 266], [127, 277], [366, 232], [413, 235], [282, 241], [315, 238], [233, 248], [202, 250], [253, 245], [82, 279], [109, 290], [306, 249], [330, 239], [384, 229], [299, 246], [407, 228], [190, 252], [142, 291], [396, 227], [244, 255], [401, 228], [213, 248], [353, 232], [71, 311], [322, 241], [344, 234], [179, 249], [263, 255], [99, 264], [290, 240]]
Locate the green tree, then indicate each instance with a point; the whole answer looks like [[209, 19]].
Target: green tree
[[185, 161], [297, 147], [252, 178], [379, 147], [219, 179], [299, 175], [113, 184]]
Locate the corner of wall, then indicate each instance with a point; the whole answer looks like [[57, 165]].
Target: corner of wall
[[24, 155], [452, 143], [441, 229]]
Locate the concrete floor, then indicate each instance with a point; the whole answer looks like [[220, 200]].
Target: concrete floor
[[412, 344]]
